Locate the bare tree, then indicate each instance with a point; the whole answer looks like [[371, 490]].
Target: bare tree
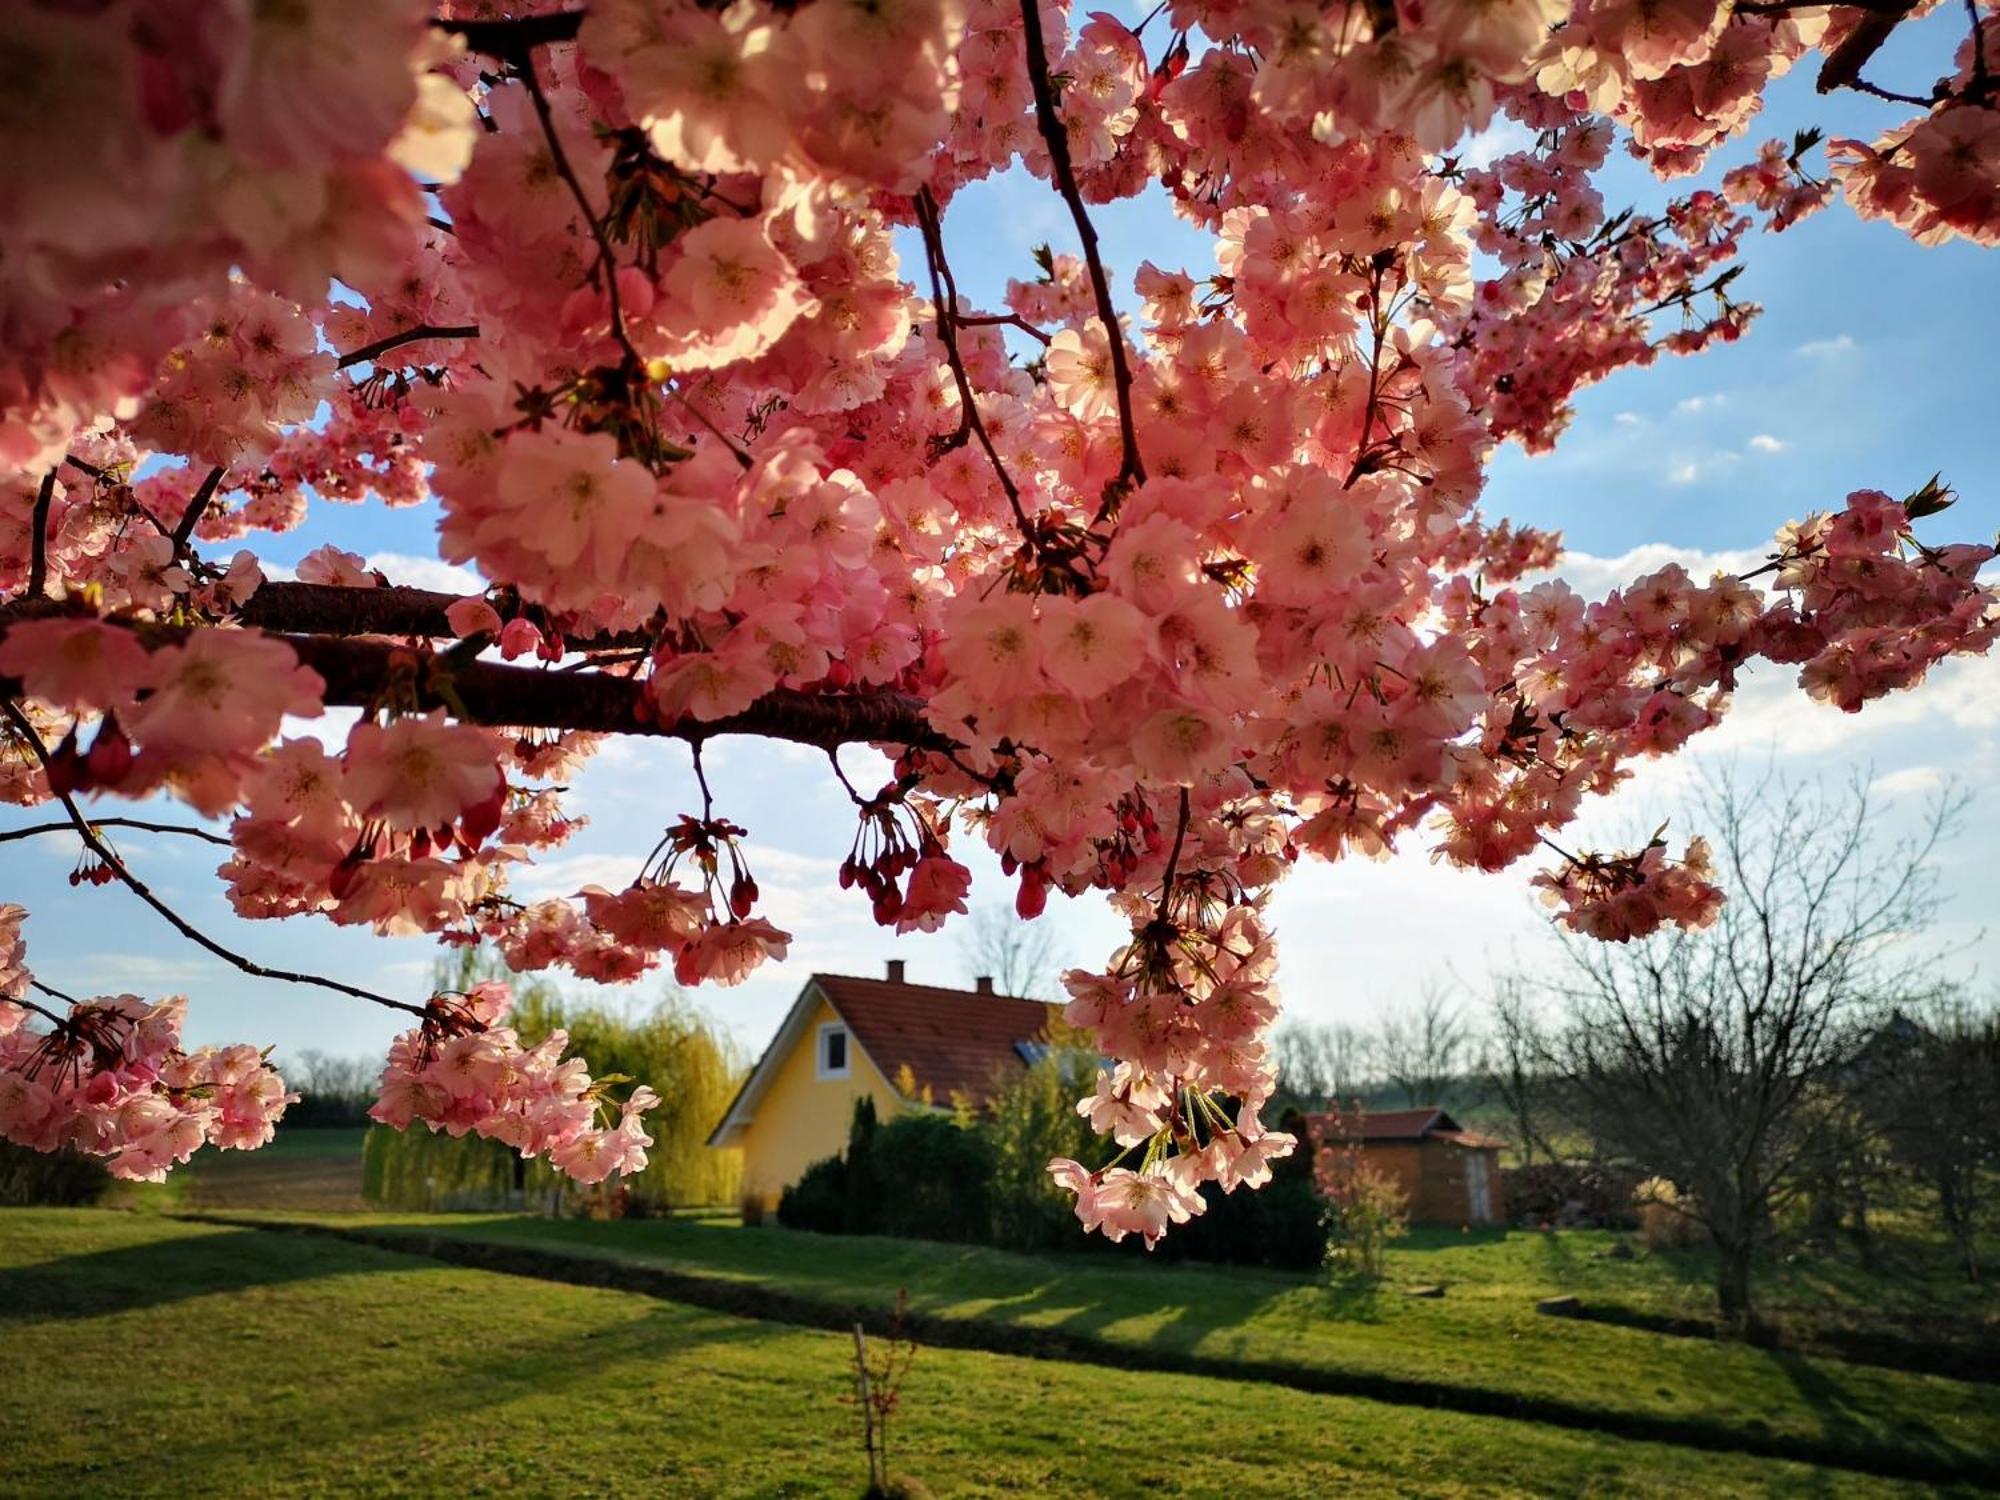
[[1517, 1076], [1695, 1054], [1319, 1065], [1021, 958], [1426, 1050], [1932, 1085]]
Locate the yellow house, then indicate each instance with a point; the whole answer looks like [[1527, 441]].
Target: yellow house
[[846, 1037]]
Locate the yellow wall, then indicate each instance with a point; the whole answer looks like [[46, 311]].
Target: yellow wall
[[802, 1117]]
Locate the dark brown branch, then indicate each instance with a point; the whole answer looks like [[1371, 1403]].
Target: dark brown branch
[[54, 994], [174, 919], [1842, 68], [38, 541], [1006, 320], [329, 609], [512, 40], [356, 672], [597, 702], [367, 353], [945, 298], [524, 64], [1131, 471], [8, 835], [192, 515]]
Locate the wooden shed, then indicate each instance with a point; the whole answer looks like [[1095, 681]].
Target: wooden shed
[[1450, 1174]]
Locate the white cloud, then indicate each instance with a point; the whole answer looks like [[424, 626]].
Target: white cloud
[[567, 875], [1594, 576], [1909, 779], [1763, 442], [1688, 406], [1499, 139], [1629, 419], [1826, 348], [425, 573], [1707, 466]]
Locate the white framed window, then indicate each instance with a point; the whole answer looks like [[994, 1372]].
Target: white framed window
[[835, 1054]]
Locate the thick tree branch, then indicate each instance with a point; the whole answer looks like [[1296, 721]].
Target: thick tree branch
[[357, 671], [511, 40], [192, 515], [38, 539], [1131, 471], [180, 924]]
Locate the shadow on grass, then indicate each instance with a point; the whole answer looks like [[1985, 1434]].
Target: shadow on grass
[[161, 1272], [1913, 1451]]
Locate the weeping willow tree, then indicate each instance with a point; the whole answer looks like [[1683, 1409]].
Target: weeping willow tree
[[694, 1067]]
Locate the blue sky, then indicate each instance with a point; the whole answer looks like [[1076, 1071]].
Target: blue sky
[[1876, 362]]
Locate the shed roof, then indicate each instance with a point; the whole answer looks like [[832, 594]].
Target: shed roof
[[1383, 1126]]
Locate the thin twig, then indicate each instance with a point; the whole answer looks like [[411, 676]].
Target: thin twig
[[367, 353], [1131, 470], [174, 919], [945, 299], [53, 993], [524, 64], [9, 835], [1009, 320]]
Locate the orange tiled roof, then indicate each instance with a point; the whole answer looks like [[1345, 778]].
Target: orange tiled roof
[[953, 1041]]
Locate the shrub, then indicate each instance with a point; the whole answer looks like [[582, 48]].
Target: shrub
[[1032, 1118], [933, 1179], [1363, 1214], [57, 1179], [818, 1200]]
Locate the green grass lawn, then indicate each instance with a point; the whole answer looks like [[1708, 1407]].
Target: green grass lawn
[[147, 1356], [1483, 1335]]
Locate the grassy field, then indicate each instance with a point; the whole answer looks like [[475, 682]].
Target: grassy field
[[147, 1356], [1482, 1336], [312, 1171]]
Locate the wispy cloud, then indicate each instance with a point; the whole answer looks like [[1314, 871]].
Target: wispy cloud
[[1826, 348], [1763, 442], [1690, 405]]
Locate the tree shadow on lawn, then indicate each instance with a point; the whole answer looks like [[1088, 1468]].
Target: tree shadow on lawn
[[357, 1405], [99, 1282]]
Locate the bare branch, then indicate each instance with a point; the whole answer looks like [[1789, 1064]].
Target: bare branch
[[9, 835], [174, 919], [1131, 470], [368, 353]]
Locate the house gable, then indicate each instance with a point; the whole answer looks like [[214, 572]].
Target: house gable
[[798, 1035]]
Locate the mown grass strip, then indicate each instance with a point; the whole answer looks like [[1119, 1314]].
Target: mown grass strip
[[750, 1300]]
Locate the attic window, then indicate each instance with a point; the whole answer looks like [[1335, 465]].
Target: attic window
[[833, 1061]]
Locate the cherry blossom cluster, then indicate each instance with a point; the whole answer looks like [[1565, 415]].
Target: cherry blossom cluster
[[1615, 898], [655, 301], [1185, 1006], [110, 1079], [461, 1071]]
